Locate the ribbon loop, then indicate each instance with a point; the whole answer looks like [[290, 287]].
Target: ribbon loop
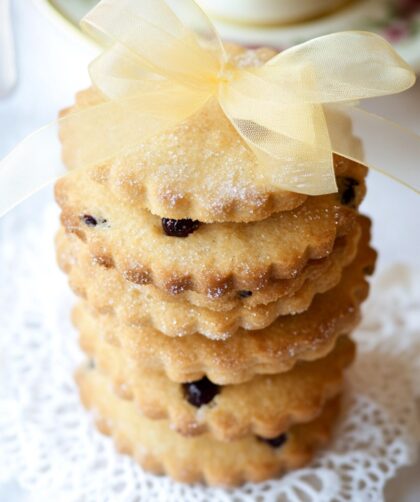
[[157, 39], [346, 66]]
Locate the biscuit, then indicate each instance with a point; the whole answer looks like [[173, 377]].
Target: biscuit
[[265, 406], [307, 336], [201, 169], [214, 259], [108, 292], [159, 449], [281, 289]]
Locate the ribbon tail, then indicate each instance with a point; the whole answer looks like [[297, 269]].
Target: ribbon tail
[[293, 152], [388, 147], [110, 129], [296, 176], [89, 138], [32, 165]]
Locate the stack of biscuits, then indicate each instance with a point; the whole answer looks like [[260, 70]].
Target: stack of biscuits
[[216, 307]]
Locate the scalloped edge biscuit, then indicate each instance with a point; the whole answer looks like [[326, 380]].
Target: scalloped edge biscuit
[[201, 169], [230, 300], [265, 406], [162, 451], [307, 336], [213, 260], [248, 202], [167, 174], [108, 292]]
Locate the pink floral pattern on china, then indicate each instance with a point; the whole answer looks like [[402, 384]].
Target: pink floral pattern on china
[[401, 20]]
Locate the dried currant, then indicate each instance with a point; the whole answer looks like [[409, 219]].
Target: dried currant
[[91, 221], [179, 228], [200, 392], [347, 190], [276, 442]]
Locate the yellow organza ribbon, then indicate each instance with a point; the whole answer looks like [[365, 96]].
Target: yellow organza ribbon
[[164, 60]]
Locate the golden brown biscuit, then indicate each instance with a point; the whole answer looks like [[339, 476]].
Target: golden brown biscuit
[[108, 292], [307, 336], [265, 406], [159, 449], [313, 271], [201, 169], [214, 259]]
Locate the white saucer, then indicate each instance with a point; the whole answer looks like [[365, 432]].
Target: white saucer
[[380, 16]]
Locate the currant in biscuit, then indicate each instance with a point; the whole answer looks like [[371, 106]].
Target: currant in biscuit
[[347, 189], [276, 442], [179, 228], [200, 392], [91, 221]]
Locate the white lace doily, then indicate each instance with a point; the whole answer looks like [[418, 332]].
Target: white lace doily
[[48, 443]]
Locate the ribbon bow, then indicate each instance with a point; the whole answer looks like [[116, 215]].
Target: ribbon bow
[[164, 61]]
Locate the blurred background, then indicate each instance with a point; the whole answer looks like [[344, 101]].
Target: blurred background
[[43, 62]]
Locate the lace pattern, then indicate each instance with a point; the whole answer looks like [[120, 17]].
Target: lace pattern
[[48, 442]]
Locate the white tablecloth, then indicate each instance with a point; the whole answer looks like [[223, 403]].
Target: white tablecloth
[[52, 66]]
